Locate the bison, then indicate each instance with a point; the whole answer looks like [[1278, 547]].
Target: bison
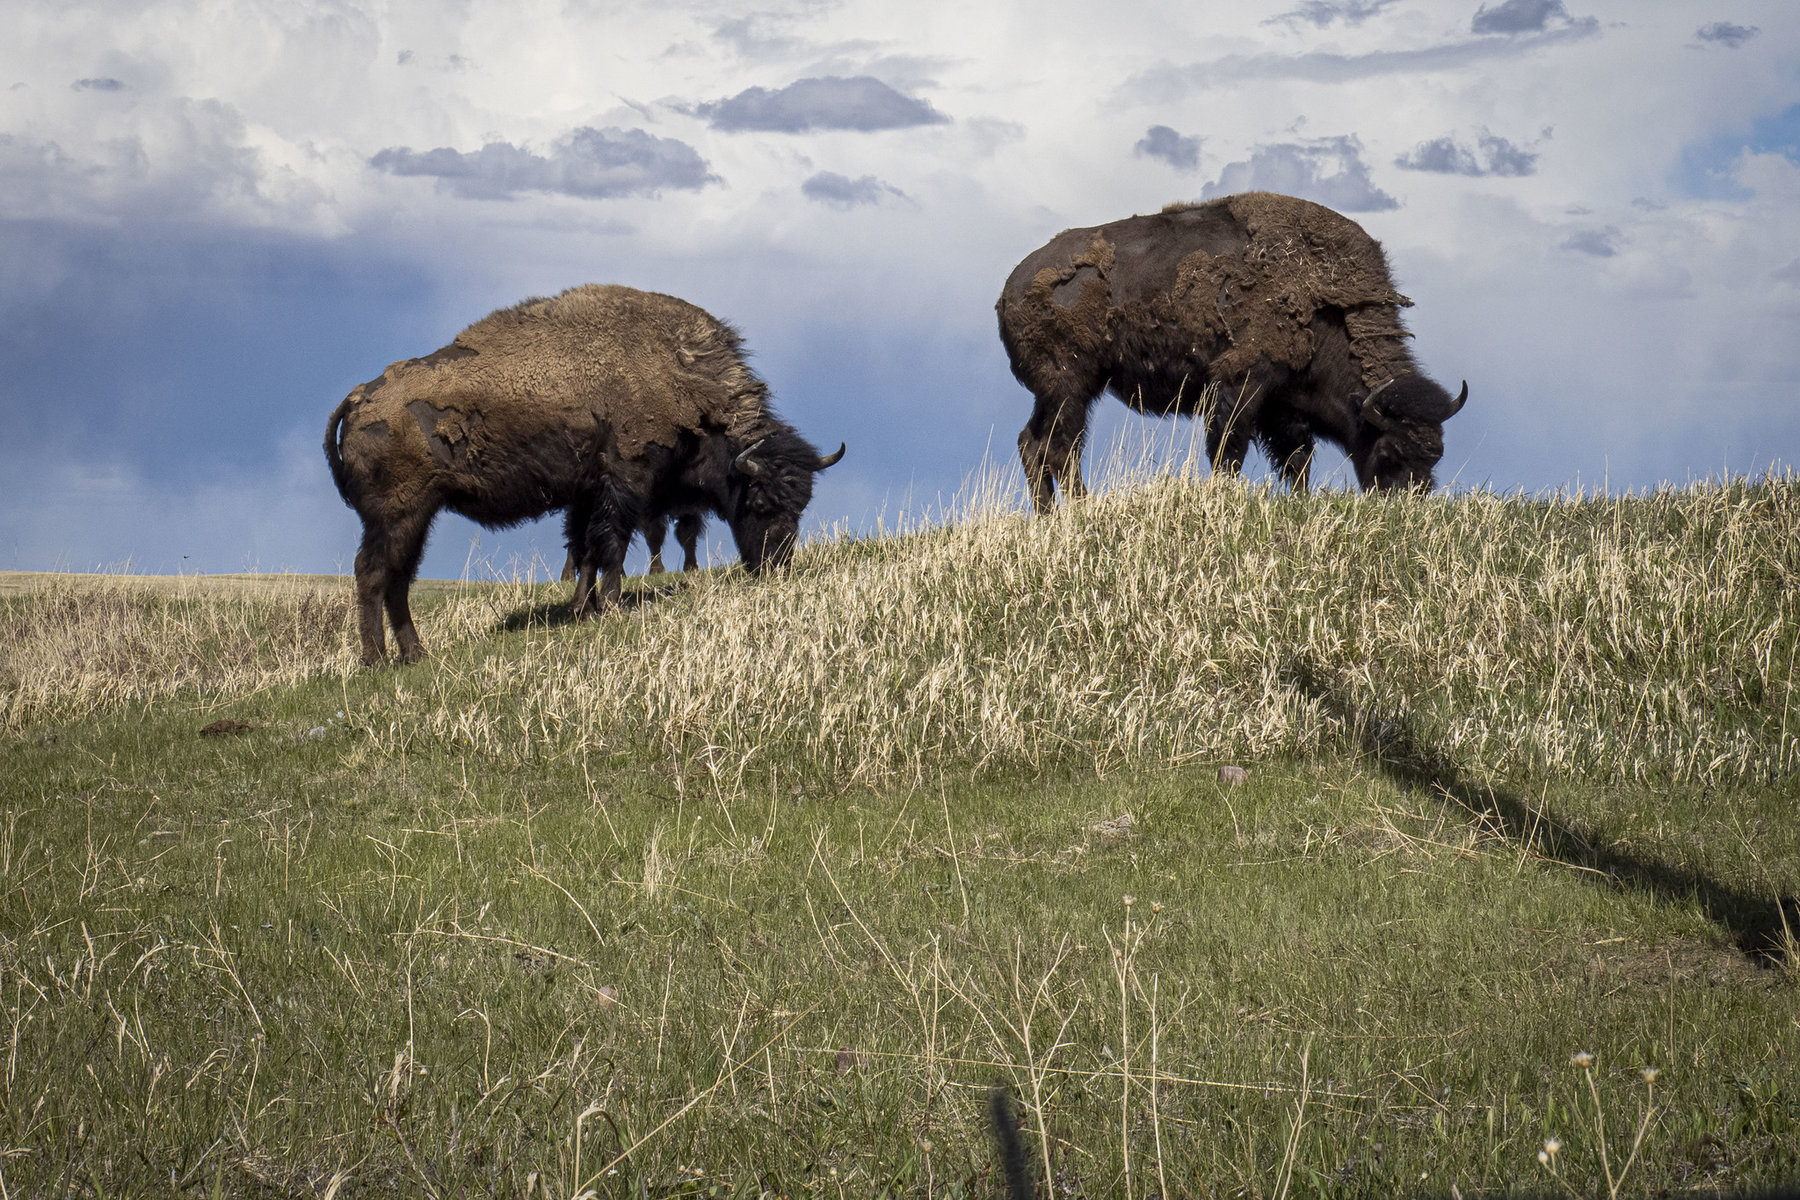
[[1270, 317], [688, 525], [617, 405]]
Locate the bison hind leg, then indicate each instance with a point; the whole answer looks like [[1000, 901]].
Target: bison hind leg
[[1050, 445], [578, 566], [371, 586], [385, 566]]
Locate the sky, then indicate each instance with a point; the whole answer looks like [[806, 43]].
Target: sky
[[219, 216]]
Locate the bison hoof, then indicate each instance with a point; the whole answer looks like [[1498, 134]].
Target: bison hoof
[[594, 608]]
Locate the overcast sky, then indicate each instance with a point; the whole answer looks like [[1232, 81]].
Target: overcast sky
[[218, 216]]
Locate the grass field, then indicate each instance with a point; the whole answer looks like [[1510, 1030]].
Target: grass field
[[756, 887]]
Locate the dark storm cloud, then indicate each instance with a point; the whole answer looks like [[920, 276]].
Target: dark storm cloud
[[1323, 13], [1601, 243], [594, 164], [841, 191], [1159, 141], [1490, 156], [103, 84], [1726, 34], [860, 102], [1162, 84], [176, 359], [1526, 16], [1329, 171]]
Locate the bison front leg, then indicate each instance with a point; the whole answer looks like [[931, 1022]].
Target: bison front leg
[[1231, 421], [1288, 441], [1227, 448], [687, 533], [1296, 468], [656, 530]]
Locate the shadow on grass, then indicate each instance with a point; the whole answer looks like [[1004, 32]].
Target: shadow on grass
[[559, 613], [1758, 923]]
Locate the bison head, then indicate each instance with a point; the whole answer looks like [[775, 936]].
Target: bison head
[[772, 483], [1403, 432]]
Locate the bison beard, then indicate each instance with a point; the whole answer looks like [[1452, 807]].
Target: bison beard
[[620, 406], [1272, 318]]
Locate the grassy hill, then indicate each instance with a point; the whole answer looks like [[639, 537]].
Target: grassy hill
[[756, 886]]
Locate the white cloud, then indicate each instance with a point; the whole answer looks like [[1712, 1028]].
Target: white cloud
[[1179, 151], [1527, 16], [1491, 155], [1724, 33], [593, 164], [1323, 13], [861, 102], [999, 124], [1169, 82], [1328, 170], [840, 191], [1600, 243]]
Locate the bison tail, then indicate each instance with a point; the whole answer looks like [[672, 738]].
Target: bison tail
[[334, 450]]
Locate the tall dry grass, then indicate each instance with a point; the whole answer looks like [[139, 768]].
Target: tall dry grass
[[81, 644], [1641, 637]]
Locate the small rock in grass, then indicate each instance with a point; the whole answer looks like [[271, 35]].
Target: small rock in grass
[[221, 728], [1233, 775]]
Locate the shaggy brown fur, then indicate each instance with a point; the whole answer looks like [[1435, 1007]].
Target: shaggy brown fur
[[616, 404], [1286, 305]]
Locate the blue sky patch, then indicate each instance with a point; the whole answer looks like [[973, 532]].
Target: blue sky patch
[[1708, 169]]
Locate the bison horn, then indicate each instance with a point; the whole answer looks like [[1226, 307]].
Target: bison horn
[[745, 463], [830, 458], [1462, 398], [1370, 413]]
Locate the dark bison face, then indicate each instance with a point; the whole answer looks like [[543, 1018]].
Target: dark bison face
[[773, 483], [1403, 433]]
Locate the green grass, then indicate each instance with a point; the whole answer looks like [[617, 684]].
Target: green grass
[[757, 886]]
